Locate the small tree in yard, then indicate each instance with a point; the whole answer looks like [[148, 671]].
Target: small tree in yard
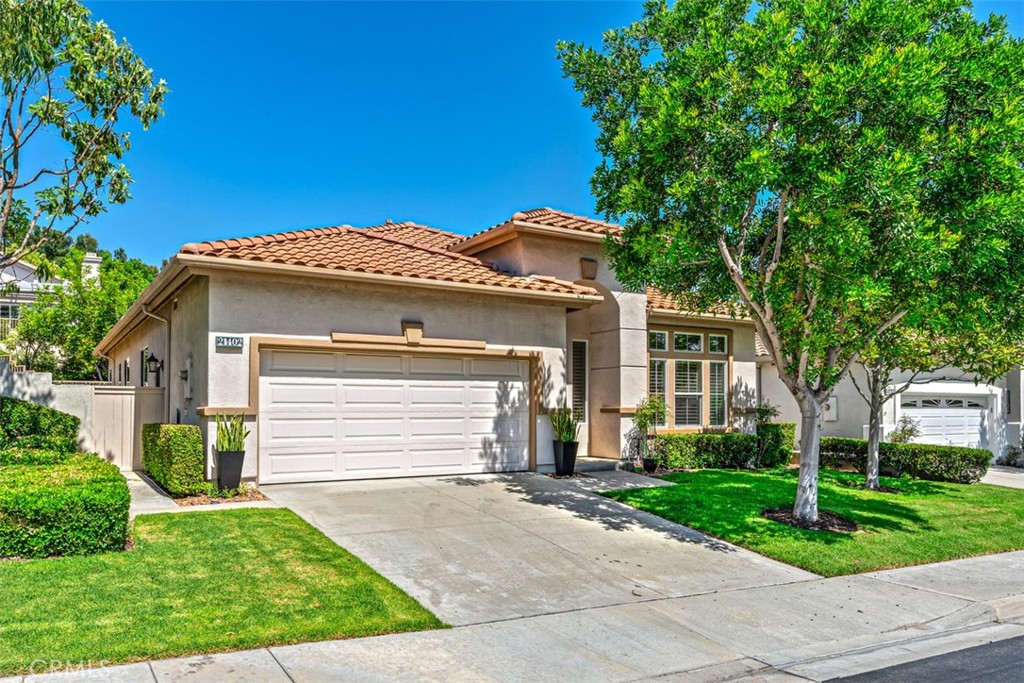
[[835, 168], [980, 354], [69, 89]]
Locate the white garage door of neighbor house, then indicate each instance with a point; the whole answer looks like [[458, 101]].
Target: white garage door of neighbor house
[[328, 416], [948, 420]]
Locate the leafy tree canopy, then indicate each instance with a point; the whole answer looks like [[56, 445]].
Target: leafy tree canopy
[[59, 331], [68, 85], [838, 167]]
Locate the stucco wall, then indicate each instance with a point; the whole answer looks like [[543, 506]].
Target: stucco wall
[[248, 306], [38, 387]]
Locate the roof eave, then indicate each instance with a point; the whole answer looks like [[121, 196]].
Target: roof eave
[[195, 262], [675, 313], [151, 295]]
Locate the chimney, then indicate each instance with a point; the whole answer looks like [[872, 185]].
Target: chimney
[[91, 266]]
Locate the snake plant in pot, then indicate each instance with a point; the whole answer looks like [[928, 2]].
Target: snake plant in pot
[[650, 412], [231, 434], [567, 429]]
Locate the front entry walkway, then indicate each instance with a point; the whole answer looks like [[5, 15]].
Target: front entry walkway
[[484, 548]]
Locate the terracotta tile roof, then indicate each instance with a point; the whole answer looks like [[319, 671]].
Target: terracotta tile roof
[[568, 221], [657, 298], [759, 348], [380, 250], [417, 234], [551, 218]]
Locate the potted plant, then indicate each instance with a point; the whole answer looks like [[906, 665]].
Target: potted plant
[[231, 434], [567, 429], [650, 412]]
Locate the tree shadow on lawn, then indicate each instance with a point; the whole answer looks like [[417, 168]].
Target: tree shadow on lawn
[[593, 507], [729, 503]]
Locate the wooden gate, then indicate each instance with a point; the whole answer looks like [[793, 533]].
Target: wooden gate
[[118, 414]]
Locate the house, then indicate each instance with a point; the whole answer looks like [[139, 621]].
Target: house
[[401, 349], [950, 407], [20, 285]]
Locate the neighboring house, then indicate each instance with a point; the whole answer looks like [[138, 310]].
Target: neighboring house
[[20, 285], [950, 407], [400, 349]]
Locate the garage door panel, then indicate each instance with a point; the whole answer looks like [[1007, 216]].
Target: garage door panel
[[437, 366], [448, 459], [283, 428], [376, 365], [357, 429], [301, 362], [363, 396], [383, 462], [387, 416], [496, 368], [309, 394], [437, 427], [285, 462], [436, 395]]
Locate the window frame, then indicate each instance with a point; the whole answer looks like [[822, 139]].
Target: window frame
[[585, 412], [724, 394], [705, 358], [664, 383], [664, 335], [684, 333], [699, 394], [725, 341]]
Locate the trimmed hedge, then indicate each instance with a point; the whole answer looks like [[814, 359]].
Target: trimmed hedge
[[173, 455], [23, 418], [771, 447], [17, 455], [66, 444], [923, 461], [77, 507]]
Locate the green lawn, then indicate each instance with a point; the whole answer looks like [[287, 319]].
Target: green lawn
[[197, 582], [925, 522]]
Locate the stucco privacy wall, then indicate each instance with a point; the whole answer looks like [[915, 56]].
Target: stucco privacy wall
[[249, 306], [38, 387]]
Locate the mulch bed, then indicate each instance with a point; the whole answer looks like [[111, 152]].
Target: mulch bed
[[827, 521], [249, 495]]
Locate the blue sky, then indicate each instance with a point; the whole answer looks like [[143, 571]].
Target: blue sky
[[287, 115]]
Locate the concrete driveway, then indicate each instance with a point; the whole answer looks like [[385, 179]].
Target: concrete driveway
[[485, 548]]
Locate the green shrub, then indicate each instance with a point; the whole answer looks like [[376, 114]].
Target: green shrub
[[173, 455], [17, 455], [776, 441], [23, 418], [67, 444], [771, 447], [923, 461], [712, 449], [77, 507]]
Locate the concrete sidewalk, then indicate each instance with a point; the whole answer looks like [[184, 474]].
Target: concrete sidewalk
[[739, 617], [811, 630]]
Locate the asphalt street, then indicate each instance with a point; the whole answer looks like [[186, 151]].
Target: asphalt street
[[998, 662]]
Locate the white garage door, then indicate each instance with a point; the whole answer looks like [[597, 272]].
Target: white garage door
[[948, 420], [329, 416]]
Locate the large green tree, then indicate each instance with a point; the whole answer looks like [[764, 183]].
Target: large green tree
[[60, 329], [70, 94], [834, 167]]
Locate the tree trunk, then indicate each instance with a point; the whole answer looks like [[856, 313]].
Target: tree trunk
[[806, 506], [874, 438]]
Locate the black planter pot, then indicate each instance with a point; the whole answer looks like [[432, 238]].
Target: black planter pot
[[229, 469], [565, 457], [650, 465]]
